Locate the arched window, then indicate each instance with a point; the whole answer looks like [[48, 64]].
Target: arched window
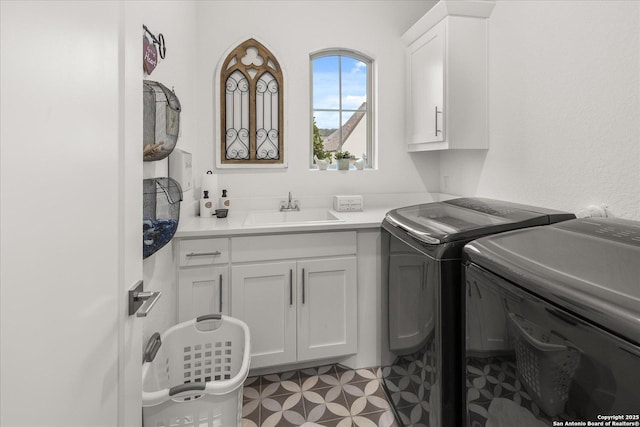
[[342, 107], [251, 107]]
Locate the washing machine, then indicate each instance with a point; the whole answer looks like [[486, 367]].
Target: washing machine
[[422, 370], [553, 325]]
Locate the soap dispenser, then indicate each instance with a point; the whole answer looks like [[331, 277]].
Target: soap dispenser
[[206, 205], [224, 202]]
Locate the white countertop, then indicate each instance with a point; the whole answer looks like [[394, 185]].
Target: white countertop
[[376, 206], [233, 225]]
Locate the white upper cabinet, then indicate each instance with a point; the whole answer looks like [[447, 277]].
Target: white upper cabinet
[[447, 77], [426, 87]]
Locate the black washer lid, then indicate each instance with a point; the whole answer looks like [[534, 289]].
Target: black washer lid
[[468, 218], [590, 267]]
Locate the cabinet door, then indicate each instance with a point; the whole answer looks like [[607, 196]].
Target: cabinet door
[[264, 297], [426, 87], [202, 290], [327, 308]]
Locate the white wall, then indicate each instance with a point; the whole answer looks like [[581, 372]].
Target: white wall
[[198, 34], [564, 85], [176, 21], [564, 108], [293, 30]]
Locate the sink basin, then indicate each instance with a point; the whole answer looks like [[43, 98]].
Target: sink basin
[[305, 216]]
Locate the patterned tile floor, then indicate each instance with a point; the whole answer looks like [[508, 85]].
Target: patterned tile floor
[[329, 396], [495, 393], [411, 382]]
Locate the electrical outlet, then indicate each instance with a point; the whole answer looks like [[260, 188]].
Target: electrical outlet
[[347, 203]]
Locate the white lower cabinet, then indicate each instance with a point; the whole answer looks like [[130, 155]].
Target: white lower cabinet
[[301, 308], [203, 277], [202, 290], [264, 297], [327, 308]]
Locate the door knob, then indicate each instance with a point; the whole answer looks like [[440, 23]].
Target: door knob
[[141, 302]]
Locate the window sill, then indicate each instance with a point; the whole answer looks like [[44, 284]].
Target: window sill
[[334, 168]]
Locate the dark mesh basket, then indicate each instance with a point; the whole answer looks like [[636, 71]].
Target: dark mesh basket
[[161, 121], [162, 197]]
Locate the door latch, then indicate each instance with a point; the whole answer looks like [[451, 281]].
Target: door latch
[[141, 300]]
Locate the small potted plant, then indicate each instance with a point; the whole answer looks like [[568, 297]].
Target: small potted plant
[[322, 159], [343, 158]]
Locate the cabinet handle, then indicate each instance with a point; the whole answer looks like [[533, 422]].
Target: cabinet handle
[[216, 253], [436, 119], [290, 287], [303, 285], [220, 295]]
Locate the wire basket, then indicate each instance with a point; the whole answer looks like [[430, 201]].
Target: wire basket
[[194, 375], [161, 213], [546, 363], [161, 121]]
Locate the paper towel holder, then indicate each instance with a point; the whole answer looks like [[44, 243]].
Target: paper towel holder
[[181, 168]]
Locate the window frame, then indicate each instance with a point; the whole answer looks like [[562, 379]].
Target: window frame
[[369, 112]]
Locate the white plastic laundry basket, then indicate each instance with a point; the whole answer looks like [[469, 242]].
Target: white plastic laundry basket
[[546, 364], [193, 375]]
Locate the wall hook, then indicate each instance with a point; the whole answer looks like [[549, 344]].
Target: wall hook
[[159, 40]]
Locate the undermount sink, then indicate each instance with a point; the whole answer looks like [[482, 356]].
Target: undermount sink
[[306, 216]]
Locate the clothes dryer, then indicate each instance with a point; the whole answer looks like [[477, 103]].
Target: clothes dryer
[[422, 252], [553, 325]]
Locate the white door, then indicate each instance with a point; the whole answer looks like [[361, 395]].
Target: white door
[[327, 308], [264, 297], [71, 178]]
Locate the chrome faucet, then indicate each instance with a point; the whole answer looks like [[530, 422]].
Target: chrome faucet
[[290, 205]]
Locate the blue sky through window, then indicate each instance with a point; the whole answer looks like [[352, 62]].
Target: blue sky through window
[[326, 88]]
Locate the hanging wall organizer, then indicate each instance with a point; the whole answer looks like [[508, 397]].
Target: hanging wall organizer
[[161, 121], [161, 196], [161, 207]]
